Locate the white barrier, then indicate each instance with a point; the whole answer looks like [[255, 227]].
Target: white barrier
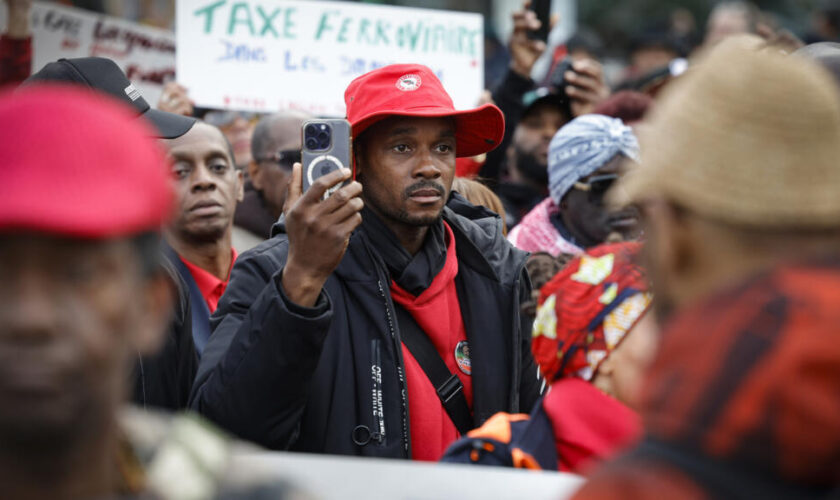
[[335, 477]]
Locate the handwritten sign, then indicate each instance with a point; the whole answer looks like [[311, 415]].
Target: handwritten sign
[[268, 55], [145, 54]]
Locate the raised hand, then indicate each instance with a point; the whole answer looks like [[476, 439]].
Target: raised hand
[[524, 51], [319, 231], [586, 87]]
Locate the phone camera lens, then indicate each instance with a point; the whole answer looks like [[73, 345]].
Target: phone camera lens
[[317, 136]]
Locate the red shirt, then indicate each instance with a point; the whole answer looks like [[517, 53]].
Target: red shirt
[[210, 286], [589, 426], [438, 313]]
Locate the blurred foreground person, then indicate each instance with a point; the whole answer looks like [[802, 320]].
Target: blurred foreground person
[[83, 292], [826, 54], [585, 158], [593, 339], [207, 186], [740, 190], [383, 320], [163, 379], [83, 288]]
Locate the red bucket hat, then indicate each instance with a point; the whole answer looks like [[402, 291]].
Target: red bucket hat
[[414, 90], [78, 164]]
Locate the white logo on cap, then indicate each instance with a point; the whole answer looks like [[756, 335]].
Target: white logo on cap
[[409, 82], [132, 92]]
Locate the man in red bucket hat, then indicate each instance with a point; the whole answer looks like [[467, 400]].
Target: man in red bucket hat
[[384, 320]]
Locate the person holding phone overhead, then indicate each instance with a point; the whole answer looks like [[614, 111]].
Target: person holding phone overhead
[[535, 110], [381, 320]]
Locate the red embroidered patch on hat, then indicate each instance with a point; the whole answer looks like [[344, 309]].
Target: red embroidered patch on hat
[[409, 82]]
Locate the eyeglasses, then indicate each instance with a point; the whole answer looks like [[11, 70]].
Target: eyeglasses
[[225, 118], [597, 186], [283, 158]]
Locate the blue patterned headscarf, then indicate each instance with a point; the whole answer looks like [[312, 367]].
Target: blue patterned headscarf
[[584, 145]]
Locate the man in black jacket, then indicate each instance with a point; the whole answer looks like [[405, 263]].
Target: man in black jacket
[[307, 350]]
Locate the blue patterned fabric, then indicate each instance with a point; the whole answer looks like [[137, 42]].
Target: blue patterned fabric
[[584, 145]]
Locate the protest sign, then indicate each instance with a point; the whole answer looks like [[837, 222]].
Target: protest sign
[[146, 54], [267, 55]]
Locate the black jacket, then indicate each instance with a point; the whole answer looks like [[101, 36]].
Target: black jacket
[[199, 311], [297, 378], [164, 379]]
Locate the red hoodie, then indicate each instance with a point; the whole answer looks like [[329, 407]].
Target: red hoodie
[[438, 313]]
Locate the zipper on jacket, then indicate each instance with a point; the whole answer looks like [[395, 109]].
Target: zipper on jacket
[[400, 363]]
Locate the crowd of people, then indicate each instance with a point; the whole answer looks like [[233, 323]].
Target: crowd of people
[[638, 286]]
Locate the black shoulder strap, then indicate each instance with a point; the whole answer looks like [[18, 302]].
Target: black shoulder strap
[[449, 388]]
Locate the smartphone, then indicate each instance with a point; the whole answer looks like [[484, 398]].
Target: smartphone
[[327, 146], [557, 82], [542, 8]]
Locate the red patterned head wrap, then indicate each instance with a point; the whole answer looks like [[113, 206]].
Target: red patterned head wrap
[[586, 310]]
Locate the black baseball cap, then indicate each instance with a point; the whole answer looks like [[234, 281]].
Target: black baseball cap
[[103, 74], [546, 95]]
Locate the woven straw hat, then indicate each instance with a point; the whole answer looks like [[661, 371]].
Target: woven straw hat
[[749, 138]]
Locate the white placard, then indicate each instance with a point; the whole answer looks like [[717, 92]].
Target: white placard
[[268, 55], [145, 54]]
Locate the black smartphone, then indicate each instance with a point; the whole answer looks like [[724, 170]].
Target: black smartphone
[[542, 8], [557, 82], [327, 146]]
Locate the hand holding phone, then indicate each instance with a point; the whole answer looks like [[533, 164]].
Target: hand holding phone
[[524, 49], [585, 86], [542, 8], [322, 210]]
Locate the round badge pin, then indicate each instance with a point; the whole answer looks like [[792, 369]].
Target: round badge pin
[[409, 82], [462, 357]]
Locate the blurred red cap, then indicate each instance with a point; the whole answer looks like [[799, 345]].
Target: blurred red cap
[[79, 164], [414, 90]]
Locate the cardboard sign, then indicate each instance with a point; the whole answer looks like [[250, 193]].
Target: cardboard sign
[[268, 55], [147, 55]]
